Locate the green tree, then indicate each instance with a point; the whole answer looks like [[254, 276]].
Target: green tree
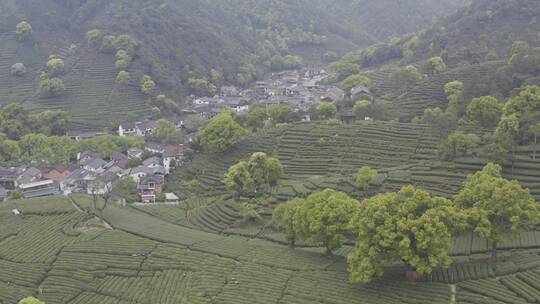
[[125, 42], [256, 118], [23, 30], [239, 180], [123, 60], [275, 171], [507, 134], [361, 109], [535, 131], [279, 113], [52, 123], [92, 37], [166, 132], [457, 144], [405, 77], [55, 67], [497, 206], [343, 69], [284, 217], [30, 300], [434, 65], [324, 219], [355, 80], [201, 87], [221, 133], [485, 110], [454, 90], [147, 85], [18, 69], [9, 150], [123, 78], [442, 123], [365, 176], [107, 44], [409, 226], [127, 189], [258, 169], [526, 107], [326, 111], [36, 148], [51, 87]]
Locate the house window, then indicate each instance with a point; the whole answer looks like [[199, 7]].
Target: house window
[[152, 185]]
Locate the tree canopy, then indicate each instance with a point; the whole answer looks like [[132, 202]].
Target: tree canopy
[[410, 226], [221, 133], [497, 206]]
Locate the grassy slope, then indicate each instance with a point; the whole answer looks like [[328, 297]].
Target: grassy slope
[[147, 260]]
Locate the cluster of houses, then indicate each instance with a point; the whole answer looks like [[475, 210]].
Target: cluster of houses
[[301, 89], [94, 174]]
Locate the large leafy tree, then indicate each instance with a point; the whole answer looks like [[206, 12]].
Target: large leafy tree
[[221, 133], [275, 171], [324, 219], [434, 66], [239, 180], [258, 168], [410, 226], [457, 144], [485, 110], [364, 176], [30, 300], [454, 90], [526, 107], [256, 118], [166, 132], [496, 205], [326, 111], [284, 216]]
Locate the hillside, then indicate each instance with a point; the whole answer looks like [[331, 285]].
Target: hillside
[[179, 40], [142, 259]]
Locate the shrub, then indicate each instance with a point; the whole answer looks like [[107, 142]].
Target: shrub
[[18, 69]]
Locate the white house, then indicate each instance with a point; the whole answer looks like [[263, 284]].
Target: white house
[[127, 129]]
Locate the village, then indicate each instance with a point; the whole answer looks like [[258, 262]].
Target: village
[[147, 168]]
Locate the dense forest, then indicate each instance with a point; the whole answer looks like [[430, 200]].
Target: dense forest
[[225, 42]]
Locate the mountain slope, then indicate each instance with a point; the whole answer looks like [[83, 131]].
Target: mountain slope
[[228, 42]]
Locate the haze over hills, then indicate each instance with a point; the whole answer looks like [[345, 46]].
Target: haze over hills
[[228, 42], [280, 152]]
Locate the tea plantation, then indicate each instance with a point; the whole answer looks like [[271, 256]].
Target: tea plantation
[[62, 255]]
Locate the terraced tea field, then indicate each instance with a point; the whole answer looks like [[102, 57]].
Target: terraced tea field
[[144, 259], [92, 97]]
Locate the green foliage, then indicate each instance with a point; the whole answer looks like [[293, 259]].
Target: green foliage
[[355, 80], [30, 300], [107, 44], [263, 172], [361, 108], [125, 42], [55, 67], [16, 121], [107, 144], [275, 171], [127, 189], [51, 87], [406, 77], [23, 30], [485, 110], [166, 132], [279, 114], [457, 144], [410, 226], [52, 123], [123, 78], [221, 133], [249, 214], [326, 111], [434, 66], [256, 118], [342, 70], [324, 218], [201, 87], [18, 69], [93, 36], [442, 122], [365, 176], [147, 85], [123, 60], [526, 109], [454, 90], [239, 181], [284, 217], [496, 205]]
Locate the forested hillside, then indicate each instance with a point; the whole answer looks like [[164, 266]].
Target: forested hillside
[[180, 44]]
